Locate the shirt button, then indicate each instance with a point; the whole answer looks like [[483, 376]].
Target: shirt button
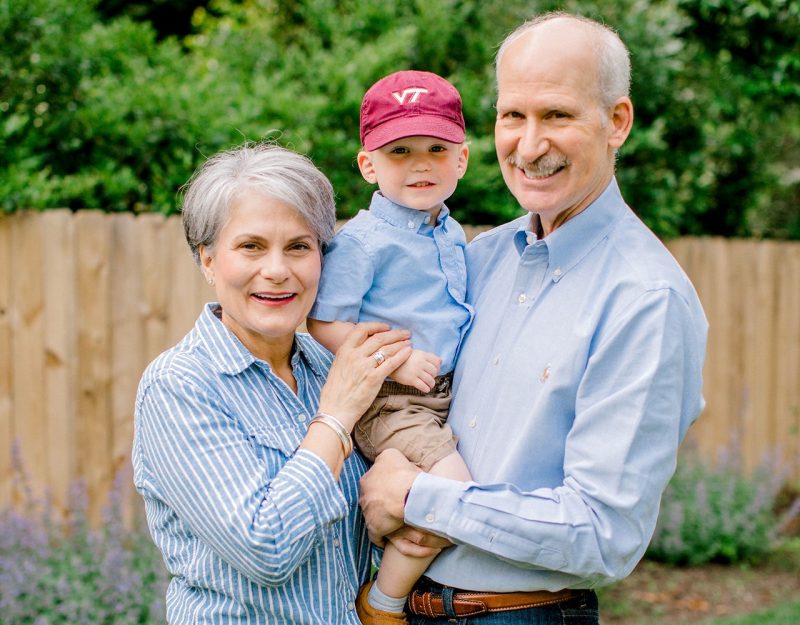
[[530, 238], [472, 423], [351, 605], [410, 224], [301, 418], [336, 542], [522, 298], [430, 517], [496, 360], [557, 272]]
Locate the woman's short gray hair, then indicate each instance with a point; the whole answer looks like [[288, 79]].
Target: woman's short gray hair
[[613, 58], [265, 168]]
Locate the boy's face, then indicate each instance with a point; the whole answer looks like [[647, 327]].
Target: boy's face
[[417, 172]]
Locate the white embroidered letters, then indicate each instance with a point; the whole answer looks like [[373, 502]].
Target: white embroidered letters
[[414, 92]]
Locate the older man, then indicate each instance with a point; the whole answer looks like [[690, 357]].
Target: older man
[[581, 373]]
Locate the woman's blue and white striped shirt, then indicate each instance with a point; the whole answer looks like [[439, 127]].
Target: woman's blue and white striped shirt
[[252, 529]]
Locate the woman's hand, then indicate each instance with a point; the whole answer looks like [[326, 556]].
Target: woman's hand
[[368, 355]]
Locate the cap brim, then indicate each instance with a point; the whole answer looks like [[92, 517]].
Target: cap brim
[[420, 125]]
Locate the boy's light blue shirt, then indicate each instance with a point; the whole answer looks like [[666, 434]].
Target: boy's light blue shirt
[[573, 389], [389, 264]]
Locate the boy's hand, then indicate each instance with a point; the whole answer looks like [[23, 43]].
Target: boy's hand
[[419, 371]]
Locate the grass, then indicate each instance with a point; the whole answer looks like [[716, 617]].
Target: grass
[[784, 614]]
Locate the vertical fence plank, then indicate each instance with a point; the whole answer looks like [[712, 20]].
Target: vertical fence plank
[[189, 290], [127, 350], [786, 338], [28, 349], [725, 346], [730, 393], [758, 307], [768, 361], [58, 280], [6, 374], [93, 245], [155, 270], [705, 261]]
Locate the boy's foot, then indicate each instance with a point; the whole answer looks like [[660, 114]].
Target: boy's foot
[[373, 616]]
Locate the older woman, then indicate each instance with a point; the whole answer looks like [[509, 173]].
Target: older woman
[[242, 446]]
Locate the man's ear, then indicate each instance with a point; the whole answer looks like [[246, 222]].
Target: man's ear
[[621, 120], [366, 167], [463, 159]]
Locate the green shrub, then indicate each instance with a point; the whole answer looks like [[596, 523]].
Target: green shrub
[[99, 115], [104, 114]]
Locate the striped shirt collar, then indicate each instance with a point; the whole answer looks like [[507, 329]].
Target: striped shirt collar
[[232, 357]]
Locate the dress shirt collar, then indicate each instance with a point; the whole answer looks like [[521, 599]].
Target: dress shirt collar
[[230, 356], [570, 242], [402, 216]]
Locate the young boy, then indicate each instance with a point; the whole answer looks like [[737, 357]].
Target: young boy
[[402, 262]]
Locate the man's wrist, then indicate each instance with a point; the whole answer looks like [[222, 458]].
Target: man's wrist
[[408, 492]]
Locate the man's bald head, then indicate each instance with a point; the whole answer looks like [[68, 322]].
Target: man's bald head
[[567, 31]]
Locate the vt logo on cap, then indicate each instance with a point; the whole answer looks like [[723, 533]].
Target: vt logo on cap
[[415, 93], [429, 106]]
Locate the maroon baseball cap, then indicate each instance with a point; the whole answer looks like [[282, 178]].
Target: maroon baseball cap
[[410, 103]]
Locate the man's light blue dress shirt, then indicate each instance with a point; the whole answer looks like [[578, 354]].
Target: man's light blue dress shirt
[[252, 529], [389, 264], [573, 389]]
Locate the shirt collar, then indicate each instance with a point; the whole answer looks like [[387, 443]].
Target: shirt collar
[[402, 216], [229, 356], [571, 241], [302, 351]]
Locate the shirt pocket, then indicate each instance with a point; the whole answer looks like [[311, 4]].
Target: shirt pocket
[[270, 439]]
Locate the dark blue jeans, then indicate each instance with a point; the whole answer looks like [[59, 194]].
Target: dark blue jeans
[[581, 610]]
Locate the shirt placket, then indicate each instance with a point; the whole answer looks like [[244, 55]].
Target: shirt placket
[[456, 278], [529, 280]]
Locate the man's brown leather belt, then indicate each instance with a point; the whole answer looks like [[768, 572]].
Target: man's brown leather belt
[[431, 604]]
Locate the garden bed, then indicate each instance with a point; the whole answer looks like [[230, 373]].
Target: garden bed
[[657, 594]]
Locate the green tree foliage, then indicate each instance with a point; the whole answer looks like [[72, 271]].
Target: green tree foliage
[[97, 115], [749, 115], [303, 80], [105, 114]]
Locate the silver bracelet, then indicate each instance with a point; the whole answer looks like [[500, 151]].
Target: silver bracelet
[[336, 425]]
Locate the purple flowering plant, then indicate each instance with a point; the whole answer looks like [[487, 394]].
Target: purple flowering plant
[[57, 569], [720, 511]]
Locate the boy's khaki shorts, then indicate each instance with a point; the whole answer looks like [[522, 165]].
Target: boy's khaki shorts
[[415, 423]]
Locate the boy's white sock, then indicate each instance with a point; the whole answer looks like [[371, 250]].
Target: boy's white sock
[[380, 601]]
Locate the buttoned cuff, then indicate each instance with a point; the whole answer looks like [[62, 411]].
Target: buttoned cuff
[[433, 501]]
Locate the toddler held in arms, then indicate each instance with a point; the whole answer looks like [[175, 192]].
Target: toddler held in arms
[[402, 262]]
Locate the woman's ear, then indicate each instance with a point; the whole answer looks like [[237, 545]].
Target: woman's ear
[[206, 262], [366, 167]]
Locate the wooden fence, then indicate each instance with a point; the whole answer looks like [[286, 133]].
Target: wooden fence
[[88, 299]]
